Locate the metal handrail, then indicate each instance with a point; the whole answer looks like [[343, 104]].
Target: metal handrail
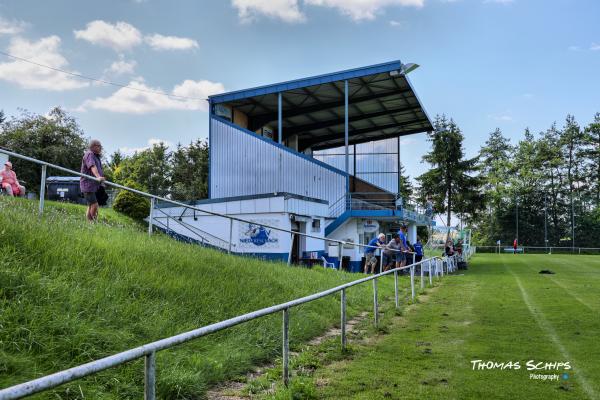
[[45, 164], [149, 350], [205, 236]]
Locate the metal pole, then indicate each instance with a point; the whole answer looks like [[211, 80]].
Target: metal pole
[[150, 376], [231, 238], [340, 256], [412, 281], [279, 119], [375, 305], [150, 225], [343, 321], [380, 260], [291, 249], [572, 224], [545, 223], [286, 346], [346, 135], [42, 189], [422, 276], [429, 273], [517, 218], [396, 298]]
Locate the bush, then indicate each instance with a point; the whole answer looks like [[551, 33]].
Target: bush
[[132, 205]]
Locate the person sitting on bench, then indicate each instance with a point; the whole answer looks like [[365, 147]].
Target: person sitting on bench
[[10, 183]]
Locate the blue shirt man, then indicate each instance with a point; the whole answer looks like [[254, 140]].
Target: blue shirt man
[[370, 259], [418, 248]]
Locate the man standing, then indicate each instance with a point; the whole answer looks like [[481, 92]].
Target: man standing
[[91, 165], [370, 259], [405, 248], [393, 253], [10, 183], [418, 250], [515, 245]]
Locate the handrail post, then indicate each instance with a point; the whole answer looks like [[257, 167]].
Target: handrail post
[[343, 318], [375, 303], [422, 276], [429, 273], [150, 376], [412, 281], [396, 299], [286, 346], [291, 249], [42, 189], [150, 224], [231, 236], [340, 248], [380, 260]]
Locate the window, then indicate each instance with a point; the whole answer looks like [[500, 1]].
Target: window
[[316, 225]]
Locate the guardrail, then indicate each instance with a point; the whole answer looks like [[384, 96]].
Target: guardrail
[[435, 265]]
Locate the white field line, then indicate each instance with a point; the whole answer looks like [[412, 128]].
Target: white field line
[[538, 315], [566, 289]]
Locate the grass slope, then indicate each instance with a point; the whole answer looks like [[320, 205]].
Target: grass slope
[[71, 292], [501, 310]]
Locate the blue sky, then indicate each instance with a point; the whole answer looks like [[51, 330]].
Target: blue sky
[[486, 63]]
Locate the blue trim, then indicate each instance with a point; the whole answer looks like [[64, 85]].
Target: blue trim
[[305, 82], [329, 229], [271, 142]]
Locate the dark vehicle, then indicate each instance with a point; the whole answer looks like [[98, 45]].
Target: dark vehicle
[[64, 188]]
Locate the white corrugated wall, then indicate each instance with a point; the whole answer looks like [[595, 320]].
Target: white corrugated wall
[[243, 164]]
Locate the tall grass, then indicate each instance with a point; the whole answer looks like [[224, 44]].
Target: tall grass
[[72, 292]]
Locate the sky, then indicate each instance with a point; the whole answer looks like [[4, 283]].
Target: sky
[[509, 64]]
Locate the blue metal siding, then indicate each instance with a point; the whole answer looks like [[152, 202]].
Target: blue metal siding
[[243, 163]]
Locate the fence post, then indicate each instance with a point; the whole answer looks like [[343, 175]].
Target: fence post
[[579, 250], [286, 346], [291, 249], [343, 321], [151, 216], [42, 189], [396, 289], [422, 276], [381, 261], [231, 236], [150, 376], [429, 272], [375, 305], [412, 281], [340, 248]]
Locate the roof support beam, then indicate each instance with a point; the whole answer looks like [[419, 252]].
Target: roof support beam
[[327, 142], [346, 135], [340, 121], [262, 119]]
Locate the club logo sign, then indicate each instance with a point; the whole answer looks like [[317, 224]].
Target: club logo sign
[[256, 235]]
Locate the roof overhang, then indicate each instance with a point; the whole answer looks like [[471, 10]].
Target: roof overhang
[[382, 104]]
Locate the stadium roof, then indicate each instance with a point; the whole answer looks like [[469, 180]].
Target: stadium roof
[[382, 104]]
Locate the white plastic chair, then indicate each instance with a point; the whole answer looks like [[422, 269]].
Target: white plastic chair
[[327, 264]]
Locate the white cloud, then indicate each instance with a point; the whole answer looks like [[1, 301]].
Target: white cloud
[[160, 42], [139, 102], [285, 10], [121, 67], [359, 10], [28, 76], [120, 36], [128, 151], [11, 27], [395, 23], [595, 46]]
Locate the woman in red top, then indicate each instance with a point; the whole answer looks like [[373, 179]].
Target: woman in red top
[[10, 183]]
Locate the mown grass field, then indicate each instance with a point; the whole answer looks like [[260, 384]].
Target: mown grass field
[[500, 310], [72, 292]]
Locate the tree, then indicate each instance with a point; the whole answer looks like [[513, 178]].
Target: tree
[[406, 189], [592, 138], [190, 171], [450, 181], [150, 169], [55, 138]]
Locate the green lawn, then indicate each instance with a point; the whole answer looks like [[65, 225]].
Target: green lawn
[[72, 292], [500, 310]]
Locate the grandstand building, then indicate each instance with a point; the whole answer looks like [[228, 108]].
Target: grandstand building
[[318, 155]]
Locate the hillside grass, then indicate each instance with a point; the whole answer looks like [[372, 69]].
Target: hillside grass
[[72, 292], [500, 310]]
